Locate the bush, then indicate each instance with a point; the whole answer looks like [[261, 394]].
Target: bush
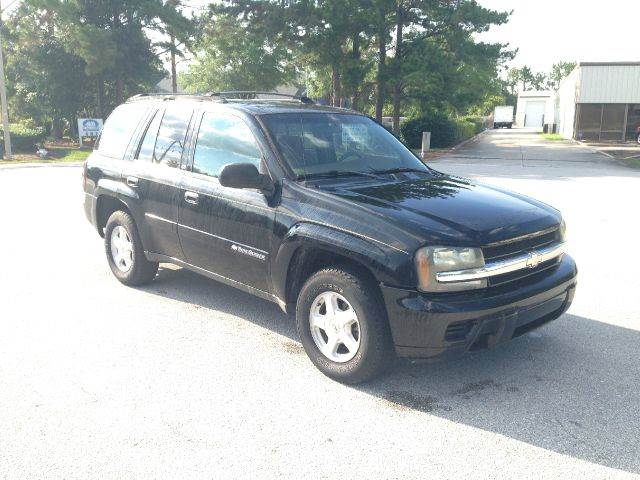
[[445, 131], [478, 122], [24, 138]]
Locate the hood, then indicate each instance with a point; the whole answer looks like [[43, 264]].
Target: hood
[[447, 208]]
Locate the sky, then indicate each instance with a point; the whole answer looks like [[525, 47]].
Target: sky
[[547, 31]]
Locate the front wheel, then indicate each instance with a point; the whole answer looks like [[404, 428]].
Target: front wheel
[[343, 326], [125, 253]]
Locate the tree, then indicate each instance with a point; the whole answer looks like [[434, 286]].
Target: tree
[[446, 22], [525, 78], [558, 72], [231, 56], [47, 84], [109, 37]]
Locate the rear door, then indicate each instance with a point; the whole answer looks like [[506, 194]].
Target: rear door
[[226, 231], [155, 176]]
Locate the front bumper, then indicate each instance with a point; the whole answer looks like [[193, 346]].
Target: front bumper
[[448, 325]]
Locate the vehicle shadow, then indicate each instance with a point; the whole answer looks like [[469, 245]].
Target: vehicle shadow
[[571, 387]]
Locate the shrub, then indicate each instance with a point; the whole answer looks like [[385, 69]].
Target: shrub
[[478, 122], [24, 138], [445, 131]]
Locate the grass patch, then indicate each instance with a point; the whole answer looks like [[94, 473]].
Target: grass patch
[[552, 136], [57, 153], [633, 162]]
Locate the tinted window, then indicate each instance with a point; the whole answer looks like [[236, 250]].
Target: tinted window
[[170, 141], [119, 127], [324, 143], [222, 140], [149, 141]]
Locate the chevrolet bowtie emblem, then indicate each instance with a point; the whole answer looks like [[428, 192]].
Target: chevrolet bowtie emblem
[[533, 259]]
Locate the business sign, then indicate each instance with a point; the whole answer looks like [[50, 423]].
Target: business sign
[[89, 127]]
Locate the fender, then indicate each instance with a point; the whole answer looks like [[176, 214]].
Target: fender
[[107, 187], [384, 265]]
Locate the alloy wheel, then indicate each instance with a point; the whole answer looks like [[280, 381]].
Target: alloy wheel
[[334, 327], [121, 248]]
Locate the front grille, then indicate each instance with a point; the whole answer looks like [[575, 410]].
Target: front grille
[[510, 248], [518, 246], [524, 275]]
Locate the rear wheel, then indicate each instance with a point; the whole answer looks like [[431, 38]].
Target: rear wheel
[[124, 250], [343, 326]]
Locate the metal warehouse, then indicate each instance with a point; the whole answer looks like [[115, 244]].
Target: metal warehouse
[[597, 102]]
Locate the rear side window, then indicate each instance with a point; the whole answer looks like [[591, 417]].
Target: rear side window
[[223, 139], [119, 127], [149, 142], [170, 141]]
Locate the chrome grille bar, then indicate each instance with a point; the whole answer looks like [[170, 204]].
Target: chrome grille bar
[[520, 262]]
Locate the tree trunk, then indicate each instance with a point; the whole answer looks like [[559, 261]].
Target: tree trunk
[[380, 78], [356, 55], [101, 97], [119, 95], [174, 79], [56, 128], [397, 86], [335, 86]]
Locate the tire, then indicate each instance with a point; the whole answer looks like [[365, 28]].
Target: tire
[[131, 267], [374, 350]]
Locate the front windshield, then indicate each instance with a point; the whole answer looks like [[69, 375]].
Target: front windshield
[[326, 144]]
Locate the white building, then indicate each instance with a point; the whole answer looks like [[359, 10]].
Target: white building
[[598, 102], [531, 108]]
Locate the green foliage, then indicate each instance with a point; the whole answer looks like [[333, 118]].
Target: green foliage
[[232, 57], [477, 121], [445, 131], [75, 58], [558, 72], [24, 138]]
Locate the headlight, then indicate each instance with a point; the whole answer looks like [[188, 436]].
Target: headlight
[[563, 231], [431, 260]]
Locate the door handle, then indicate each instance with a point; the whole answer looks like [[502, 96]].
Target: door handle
[[191, 197], [132, 181]]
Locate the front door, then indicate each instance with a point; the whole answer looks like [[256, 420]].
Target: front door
[[225, 231], [155, 175]]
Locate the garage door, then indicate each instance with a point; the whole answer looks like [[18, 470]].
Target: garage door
[[534, 114]]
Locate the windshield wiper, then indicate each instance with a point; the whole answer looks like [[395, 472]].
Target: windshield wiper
[[401, 170], [335, 174]]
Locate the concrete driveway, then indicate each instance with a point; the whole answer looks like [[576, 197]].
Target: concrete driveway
[[187, 378], [523, 146]]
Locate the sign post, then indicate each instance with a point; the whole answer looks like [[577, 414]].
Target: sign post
[[89, 127], [426, 143]]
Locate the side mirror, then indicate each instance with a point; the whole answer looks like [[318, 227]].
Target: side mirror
[[245, 175]]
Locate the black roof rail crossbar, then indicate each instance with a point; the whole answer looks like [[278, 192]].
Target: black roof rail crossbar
[[301, 98]]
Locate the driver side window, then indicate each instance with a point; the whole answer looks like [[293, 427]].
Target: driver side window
[[223, 139]]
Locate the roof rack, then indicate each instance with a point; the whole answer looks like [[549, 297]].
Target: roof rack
[[252, 94], [223, 96]]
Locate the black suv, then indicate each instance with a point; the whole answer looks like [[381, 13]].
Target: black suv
[[326, 213]]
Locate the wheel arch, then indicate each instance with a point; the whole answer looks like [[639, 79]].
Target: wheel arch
[[105, 206], [309, 248]]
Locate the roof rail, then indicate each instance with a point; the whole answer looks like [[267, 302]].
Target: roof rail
[[251, 95], [169, 96], [223, 96]]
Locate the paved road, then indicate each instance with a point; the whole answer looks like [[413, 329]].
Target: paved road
[[187, 378]]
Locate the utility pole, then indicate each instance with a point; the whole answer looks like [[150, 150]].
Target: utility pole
[[3, 99]]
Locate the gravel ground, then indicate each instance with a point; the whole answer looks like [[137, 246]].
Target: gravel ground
[[187, 378]]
